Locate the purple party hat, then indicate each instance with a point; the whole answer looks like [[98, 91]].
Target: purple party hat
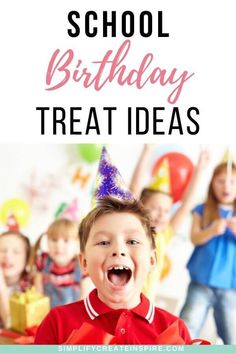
[[109, 181]]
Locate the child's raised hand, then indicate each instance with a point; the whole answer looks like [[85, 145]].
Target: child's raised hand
[[203, 159], [148, 147], [232, 224], [218, 227]]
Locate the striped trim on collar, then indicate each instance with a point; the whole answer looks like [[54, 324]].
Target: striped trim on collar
[[151, 312], [145, 309], [89, 308]]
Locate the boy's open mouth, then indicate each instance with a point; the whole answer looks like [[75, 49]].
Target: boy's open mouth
[[119, 275]]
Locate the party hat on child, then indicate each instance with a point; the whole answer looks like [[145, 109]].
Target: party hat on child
[[227, 156], [68, 211], [161, 179], [229, 160], [109, 181], [11, 223]]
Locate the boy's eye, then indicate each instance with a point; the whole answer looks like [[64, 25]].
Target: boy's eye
[[103, 243], [133, 242]]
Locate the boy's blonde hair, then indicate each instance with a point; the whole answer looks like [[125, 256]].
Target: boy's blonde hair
[[211, 211], [111, 205]]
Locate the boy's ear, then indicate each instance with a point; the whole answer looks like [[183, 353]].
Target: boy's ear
[[83, 262]]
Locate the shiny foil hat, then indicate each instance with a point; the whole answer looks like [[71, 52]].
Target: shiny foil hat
[[161, 179], [109, 182], [68, 211]]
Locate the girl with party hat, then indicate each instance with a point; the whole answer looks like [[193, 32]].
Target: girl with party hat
[[157, 198], [212, 265], [57, 271]]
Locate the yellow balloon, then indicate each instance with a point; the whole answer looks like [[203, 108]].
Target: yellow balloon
[[17, 207]]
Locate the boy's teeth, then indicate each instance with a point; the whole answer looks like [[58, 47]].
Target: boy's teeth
[[119, 268]]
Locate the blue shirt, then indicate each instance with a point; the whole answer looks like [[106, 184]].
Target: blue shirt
[[214, 263]]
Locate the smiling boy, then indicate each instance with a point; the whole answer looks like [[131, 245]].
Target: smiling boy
[[118, 252]]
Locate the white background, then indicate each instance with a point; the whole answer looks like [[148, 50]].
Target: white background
[[201, 41]]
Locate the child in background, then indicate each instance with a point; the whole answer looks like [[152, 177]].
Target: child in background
[[117, 251], [159, 204], [212, 266], [14, 256], [58, 272]]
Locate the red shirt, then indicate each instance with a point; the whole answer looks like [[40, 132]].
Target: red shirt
[[140, 325]]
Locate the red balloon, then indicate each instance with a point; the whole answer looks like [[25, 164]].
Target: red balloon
[[181, 169]]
